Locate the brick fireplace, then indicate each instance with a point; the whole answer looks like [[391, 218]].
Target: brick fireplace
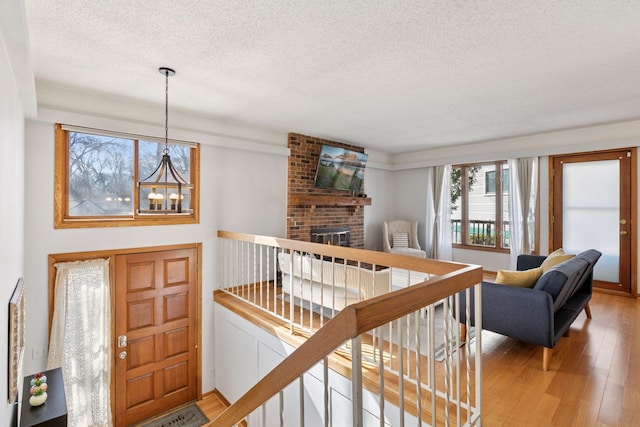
[[315, 208]]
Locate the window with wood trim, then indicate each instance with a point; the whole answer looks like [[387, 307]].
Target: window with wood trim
[[480, 206], [96, 176]]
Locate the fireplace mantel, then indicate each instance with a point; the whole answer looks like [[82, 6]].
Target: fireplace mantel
[[313, 200]]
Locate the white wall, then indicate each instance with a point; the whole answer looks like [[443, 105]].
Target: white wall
[[241, 190], [379, 186], [17, 100], [11, 214], [410, 198]]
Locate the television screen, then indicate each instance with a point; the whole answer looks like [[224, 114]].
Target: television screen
[[340, 169]]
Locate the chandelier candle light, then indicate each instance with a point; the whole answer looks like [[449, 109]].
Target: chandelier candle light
[[164, 187]]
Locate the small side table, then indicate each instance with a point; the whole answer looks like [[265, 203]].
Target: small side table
[[53, 413]]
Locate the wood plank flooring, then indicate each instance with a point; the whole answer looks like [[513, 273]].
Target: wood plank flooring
[[593, 380], [212, 405]]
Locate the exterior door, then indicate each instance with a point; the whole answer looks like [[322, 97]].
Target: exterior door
[[155, 331], [593, 207]]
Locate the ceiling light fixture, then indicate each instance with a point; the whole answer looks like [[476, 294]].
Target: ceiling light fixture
[[164, 190]]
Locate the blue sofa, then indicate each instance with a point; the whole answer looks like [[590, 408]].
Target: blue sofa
[[543, 314]]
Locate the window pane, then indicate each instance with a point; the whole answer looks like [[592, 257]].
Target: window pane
[[149, 157], [100, 175], [490, 182], [150, 154], [505, 178], [482, 207]]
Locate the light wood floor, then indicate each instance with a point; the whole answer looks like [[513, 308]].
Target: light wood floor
[[211, 405], [593, 380]]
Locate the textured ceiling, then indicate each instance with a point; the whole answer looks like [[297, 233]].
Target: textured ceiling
[[393, 76]]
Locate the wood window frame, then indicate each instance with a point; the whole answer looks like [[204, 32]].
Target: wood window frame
[[61, 216], [464, 205]]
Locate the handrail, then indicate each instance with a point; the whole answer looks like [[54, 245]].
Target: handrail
[[423, 265], [354, 319]]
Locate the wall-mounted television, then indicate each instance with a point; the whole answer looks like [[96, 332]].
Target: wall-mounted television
[[340, 169]]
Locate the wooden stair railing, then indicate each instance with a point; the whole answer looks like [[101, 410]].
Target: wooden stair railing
[[349, 323], [423, 265]]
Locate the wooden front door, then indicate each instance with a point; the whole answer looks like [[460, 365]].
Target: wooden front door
[[155, 331]]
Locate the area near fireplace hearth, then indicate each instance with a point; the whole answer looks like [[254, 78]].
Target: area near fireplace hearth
[[311, 209]]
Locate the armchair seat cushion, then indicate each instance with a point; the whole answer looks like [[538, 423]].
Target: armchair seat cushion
[[409, 251]]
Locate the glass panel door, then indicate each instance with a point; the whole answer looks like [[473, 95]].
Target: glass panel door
[[593, 207]]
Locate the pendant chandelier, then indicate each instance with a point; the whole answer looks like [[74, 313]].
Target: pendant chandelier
[[165, 191]]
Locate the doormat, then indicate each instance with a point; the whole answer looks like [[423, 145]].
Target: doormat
[[187, 416]]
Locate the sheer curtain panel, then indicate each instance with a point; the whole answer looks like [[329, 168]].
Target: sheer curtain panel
[[438, 233], [523, 184], [80, 341]]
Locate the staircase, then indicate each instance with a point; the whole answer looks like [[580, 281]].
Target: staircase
[[375, 362]]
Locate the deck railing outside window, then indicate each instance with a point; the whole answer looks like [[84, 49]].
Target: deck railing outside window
[[393, 317], [481, 233]]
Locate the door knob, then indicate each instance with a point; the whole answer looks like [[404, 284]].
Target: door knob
[[623, 221], [623, 233], [122, 355]]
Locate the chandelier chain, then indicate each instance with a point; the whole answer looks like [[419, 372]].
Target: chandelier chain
[[166, 113]]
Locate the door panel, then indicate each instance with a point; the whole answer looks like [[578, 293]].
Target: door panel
[[593, 207], [156, 311]]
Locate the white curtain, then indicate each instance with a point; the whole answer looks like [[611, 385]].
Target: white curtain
[[523, 186], [80, 341], [438, 233]]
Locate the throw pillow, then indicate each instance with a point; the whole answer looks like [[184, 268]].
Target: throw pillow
[[400, 240], [522, 279], [555, 257]]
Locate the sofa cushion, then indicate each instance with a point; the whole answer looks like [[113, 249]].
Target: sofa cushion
[[552, 283], [554, 258], [301, 264], [523, 279], [575, 269], [309, 271], [560, 280], [590, 256]]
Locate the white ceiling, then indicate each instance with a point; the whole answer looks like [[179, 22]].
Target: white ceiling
[[392, 76]]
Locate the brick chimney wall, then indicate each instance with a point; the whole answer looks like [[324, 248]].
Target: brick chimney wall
[[305, 151]]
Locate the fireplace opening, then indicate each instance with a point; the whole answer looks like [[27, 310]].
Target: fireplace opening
[[339, 236]]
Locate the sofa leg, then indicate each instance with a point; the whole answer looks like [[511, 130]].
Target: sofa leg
[[546, 358], [463, 331], [587, 310]]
